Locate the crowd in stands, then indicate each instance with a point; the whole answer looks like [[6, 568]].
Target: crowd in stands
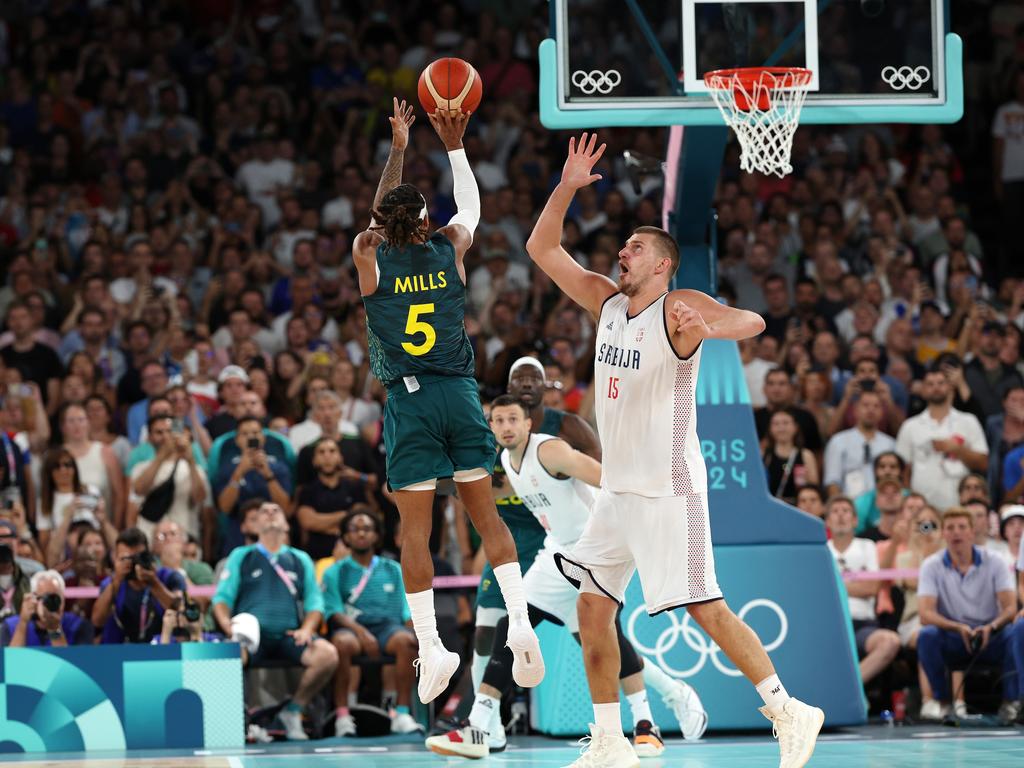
[[184, 377]]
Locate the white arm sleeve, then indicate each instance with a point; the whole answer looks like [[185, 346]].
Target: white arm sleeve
[[467, 195]]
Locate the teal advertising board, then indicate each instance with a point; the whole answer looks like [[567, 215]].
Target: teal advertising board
[[774, 568], [115, 697]]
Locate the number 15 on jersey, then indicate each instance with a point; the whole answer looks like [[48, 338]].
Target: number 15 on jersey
[[613, 387]]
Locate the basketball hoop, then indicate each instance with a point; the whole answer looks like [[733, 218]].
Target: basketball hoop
[[762, 105]]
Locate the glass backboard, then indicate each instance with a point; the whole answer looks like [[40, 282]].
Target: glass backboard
[[629, 62]]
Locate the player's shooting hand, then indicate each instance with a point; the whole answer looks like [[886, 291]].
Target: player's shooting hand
[[450, 126], [400, 124], [579, 165], [686, 319]]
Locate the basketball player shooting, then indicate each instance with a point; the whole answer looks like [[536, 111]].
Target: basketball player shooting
[[651, 513], [413, 284]]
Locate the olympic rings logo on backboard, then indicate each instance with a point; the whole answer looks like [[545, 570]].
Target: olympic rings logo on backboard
[[596, 81], [697, 641], [904, 78]]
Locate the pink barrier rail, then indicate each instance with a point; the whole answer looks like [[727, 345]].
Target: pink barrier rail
[[463, 582]]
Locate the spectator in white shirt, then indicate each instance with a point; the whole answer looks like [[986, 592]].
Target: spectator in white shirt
[[754, 371], [941, 444], [850, 454], [877, 646], [265, 174]]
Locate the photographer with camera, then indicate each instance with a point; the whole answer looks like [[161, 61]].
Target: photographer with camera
[[133, 599], [967, 601], [182, 623], [250, 475], [42, 620]]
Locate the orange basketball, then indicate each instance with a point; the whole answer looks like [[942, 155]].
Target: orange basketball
[[450, 84]]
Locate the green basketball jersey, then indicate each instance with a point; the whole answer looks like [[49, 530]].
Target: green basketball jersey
[[415, 318]]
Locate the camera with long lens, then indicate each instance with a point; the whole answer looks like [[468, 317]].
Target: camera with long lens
[[144, 560], [51, 602]]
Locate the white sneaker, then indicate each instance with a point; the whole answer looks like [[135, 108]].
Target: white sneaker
[[598, 750], [796, 728], [960, 710], [344, 725], [933, 710], [258, 734], [688, 710], [466, 742], [527, 662], [292, 722], [435, 667], [403, 722]]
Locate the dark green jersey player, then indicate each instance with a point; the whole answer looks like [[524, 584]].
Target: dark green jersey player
[[527, 383], [413, 284]]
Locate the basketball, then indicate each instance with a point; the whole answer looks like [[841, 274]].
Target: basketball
[[450, 84]]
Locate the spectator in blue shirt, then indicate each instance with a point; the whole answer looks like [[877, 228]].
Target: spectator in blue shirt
[[364, 601], [42, 620], [967, 602], [277, 585], [252, 474], [133, 599], [154, 381]]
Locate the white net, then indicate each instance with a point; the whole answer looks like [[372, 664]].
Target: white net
[[763, 107]]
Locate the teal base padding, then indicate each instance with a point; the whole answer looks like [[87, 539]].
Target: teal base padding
[[552, 116]]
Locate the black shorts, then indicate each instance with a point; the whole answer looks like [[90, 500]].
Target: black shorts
[[278, 649], [862, 630]]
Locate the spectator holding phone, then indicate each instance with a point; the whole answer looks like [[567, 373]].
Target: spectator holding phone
[[252, 474], [42, 620], [174, 459], [134, 597]]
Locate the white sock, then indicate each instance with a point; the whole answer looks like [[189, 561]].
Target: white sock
[[655, 677], [773, 693], [640, 707], [496, 726], [608, 718], [421, 606], [478, 668], [353, 698], [510, 579], [483, 710]]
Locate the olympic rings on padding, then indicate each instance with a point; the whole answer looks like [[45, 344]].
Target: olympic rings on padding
[[696, 641]]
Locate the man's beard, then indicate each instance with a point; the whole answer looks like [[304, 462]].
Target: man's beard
[[330, 472], [362, 550], [937, 399]]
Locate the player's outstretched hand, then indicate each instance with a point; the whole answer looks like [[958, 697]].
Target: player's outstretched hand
[[686, 319], [450, 125], [400, 123], [579, 165]]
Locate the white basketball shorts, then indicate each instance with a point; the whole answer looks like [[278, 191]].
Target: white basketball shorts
[[546, 588], [667, 539]]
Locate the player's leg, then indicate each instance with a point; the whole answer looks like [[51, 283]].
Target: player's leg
[[672, 548], [647, 739], [487, 618], [477, 496]]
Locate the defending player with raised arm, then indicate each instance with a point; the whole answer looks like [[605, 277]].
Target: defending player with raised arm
[[647, 264], [651, 515], [413, 284]]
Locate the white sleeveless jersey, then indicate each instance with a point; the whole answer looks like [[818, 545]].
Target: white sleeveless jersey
[[645, 397], [562, 506]]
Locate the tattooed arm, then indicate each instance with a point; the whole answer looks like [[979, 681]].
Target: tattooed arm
[[392, 175]]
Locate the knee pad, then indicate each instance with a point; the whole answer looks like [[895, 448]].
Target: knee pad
[[629, 660]]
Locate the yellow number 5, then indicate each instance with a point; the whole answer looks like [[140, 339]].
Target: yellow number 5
[[413, 326]]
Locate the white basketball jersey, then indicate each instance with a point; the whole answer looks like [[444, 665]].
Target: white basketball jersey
[[562, 506], [645, 397]]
